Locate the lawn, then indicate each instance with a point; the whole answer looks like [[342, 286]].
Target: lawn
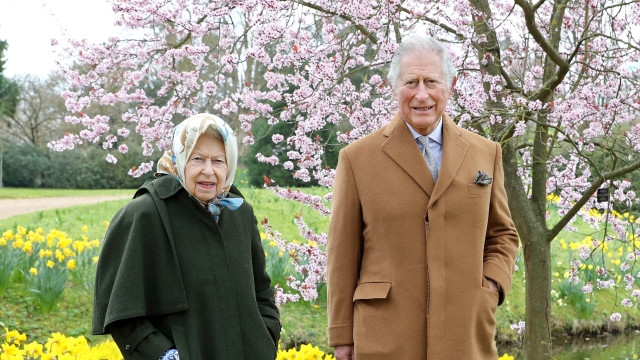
[[302, 322], [21, 193], [573, 312]]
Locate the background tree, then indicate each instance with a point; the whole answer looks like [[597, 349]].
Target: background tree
[[8, 98], [553, 81], [38, 113], [8, 89], [38, 117]]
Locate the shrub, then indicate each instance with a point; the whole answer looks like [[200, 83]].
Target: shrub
[[25, 165]]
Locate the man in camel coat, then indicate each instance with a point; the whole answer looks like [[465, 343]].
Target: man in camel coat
[[421, 242]]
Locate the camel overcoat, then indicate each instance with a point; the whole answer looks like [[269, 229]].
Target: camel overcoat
[[407, 259]]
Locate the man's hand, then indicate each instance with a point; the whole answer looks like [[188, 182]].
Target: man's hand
[[492, 285], [343, 352]]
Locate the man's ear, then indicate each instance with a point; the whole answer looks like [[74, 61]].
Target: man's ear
[[393, 91]]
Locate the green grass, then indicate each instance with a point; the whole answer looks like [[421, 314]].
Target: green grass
[[72, 316], [21, 193], [304, 322], [70, 220]]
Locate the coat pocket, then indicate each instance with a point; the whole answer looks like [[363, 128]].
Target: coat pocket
[[372, 290], [373, 316]]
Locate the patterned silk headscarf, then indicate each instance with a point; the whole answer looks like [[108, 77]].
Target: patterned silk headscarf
[[185, 137]]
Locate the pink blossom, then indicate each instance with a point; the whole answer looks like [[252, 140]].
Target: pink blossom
[[124, 132], [519, 327], [330, 84], [142, 169]]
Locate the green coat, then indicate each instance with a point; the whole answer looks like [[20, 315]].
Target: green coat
[[170, 277]]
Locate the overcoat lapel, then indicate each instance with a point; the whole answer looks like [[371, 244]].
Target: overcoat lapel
[[402, 148], [454, 149]]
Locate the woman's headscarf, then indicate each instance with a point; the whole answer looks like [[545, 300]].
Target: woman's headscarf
[[184, 139]]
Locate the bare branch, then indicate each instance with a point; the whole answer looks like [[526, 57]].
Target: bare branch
[[554, 55], [587, 195]]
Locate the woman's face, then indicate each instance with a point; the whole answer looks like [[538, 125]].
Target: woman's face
[[206, 170]]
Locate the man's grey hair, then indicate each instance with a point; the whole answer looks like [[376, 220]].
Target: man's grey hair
[[419, 45]]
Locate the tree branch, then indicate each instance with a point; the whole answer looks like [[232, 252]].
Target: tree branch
[[361, 28], [444, 27], [529, 15], [587, 195]]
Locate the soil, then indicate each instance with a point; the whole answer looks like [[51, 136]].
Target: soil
[[12, 207]]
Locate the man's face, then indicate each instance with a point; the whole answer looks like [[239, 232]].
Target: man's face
[[422, 94]]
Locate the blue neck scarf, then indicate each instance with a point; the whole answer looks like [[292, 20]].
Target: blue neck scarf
[[216, 204]]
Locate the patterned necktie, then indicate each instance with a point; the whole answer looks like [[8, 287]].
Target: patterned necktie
[[428, 157]]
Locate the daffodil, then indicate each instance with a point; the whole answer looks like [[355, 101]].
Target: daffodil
[[71, 264], [14, 336], [8, 235], [33, 349]]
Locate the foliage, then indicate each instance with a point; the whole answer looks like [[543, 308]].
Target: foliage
[[46, 285], [268, 139], [9, 90], [26, 165], [46, 261], [304, 322], [551, 81], [256, 170], [573, 295], [8, 261]]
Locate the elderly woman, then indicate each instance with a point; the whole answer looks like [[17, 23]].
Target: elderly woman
[[182, 272]]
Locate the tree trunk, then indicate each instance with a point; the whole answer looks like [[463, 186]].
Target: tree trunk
[[532, 229], [537, 336]]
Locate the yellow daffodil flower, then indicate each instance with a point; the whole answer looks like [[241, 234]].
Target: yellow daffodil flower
[[71, 264]]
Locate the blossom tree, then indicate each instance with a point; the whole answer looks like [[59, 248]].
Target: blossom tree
[[555, 82]]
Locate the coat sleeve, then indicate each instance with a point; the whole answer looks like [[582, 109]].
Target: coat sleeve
[[344, 253], [264, 292], [501, 242], [138, 339]]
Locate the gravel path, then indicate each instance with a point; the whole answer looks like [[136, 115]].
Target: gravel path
[[12, 207]]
